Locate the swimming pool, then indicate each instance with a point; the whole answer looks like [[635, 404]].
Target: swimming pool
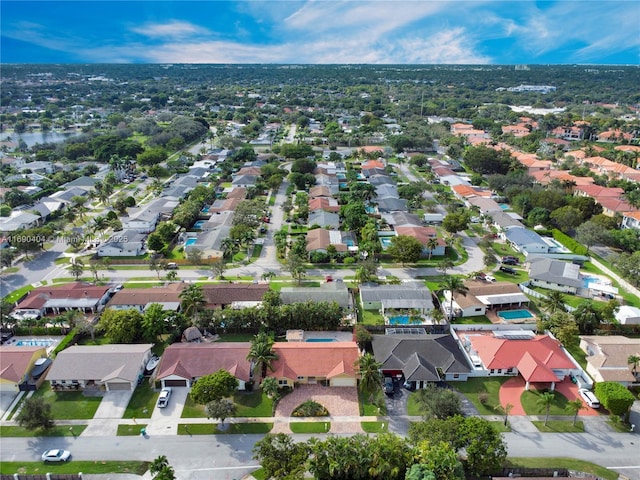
[[33, 343], [190, 241], [504, 206], [199, 224], [205, 209], [319, 340], [403, 320], [385, 241], [591, 280], [515, 314]]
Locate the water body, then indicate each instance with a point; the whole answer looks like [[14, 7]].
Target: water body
[[31, 138]]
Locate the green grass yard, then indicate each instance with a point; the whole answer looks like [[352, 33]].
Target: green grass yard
[[231, 429], [310, 427], [57, 431], [69, 405], [561, 462], [130, 430], [375, 427], [74, 466], [253, 404], [559, 426], [482, 392], [529, 400], [142, 402]]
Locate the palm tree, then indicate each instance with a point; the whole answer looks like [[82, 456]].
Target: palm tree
[[370, 376], [95, 269], [553, 302], [444, 265], [261, 353], [270, 387], [161, 470], [506, 410], [77, 268], [544, 403], [192, 301], [453, 285], [574, 406], [229, 247], [268, 276], [432, 244], [634, 360]]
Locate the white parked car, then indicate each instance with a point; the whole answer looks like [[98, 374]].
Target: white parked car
[[56, 455], [589, 398], [163, 399]]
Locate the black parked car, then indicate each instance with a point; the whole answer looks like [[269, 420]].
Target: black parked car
[[508, 270], [388, 387], [509, 261]]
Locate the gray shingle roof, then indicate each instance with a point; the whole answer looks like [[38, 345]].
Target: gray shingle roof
[[555, 271]]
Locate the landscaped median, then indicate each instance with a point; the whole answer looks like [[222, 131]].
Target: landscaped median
[[74, 466], [230, 428]]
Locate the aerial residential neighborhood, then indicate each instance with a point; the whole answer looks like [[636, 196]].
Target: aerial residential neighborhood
[[257, 263]]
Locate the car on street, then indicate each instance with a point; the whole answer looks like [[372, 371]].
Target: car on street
[[56, 455], [172, 266], [163, 399], [388, 387]]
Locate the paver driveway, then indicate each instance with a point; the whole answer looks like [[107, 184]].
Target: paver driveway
[[340, 401]]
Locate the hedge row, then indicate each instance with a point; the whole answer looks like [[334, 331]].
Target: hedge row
[[569, 242]]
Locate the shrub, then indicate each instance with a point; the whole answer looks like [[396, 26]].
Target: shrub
[[310, 409], [569, 242], [615, 397], [349, 261]]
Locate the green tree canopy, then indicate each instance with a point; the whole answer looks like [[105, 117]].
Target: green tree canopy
[[405, 249], [121, 326], [35, 414], [215, 386]]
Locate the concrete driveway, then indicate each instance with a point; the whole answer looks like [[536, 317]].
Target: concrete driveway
[[6, 398], [164, 421], [109, 412]]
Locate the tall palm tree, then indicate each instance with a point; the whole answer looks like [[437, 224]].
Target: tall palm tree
[[553, 302], [574, 406], [544, 403], [370, 376], [192, 301], [444, 265], [261, 352], [432, 244], [453, 285], [634, 360]]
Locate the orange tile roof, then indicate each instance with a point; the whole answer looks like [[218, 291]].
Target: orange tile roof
[[628, 148], [533, 370], [599, 191], [635, 215], [304, 359], [37, 297], [422, 234], [372, 164], [14, 362]]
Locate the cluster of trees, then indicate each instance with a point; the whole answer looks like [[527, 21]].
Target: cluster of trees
[[187, 212], [432, 451], [130, 326]]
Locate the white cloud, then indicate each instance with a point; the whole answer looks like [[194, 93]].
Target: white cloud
[[174, 28]]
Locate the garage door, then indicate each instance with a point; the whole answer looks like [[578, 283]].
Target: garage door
[[175, 383], [118, 386], [343, 382]]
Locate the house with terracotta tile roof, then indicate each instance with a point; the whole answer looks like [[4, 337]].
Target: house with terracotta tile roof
[[233, 294], [631, 220], [56, 299], [607, 357], [423, 235], [183, 363], [611, 206], [519, 130], [545, 177], [539, 359], [615, 136], [16, 364], [327, 363], [324, 203], [320, 191], [570, 133], [485, 296], [466, 191], [319, 239]]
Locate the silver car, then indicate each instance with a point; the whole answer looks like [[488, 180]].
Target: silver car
[[163, 399], [56, 455]]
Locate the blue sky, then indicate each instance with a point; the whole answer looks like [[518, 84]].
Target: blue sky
[[321, 31]]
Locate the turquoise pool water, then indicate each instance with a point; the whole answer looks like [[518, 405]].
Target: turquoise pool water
[[504, 206], [589, 280], [190, 241], [199, 224], [319, 340], [515, 314], [205, 209], [385, 241], [400, 320], [33, 343]]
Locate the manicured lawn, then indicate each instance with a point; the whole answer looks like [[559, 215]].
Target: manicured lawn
[[375, 427], [259, 474], [561, 462], [577, 353], [69, 405], [73, 467], [500, 426], [530, 397], [522, 276], [368, 409], [192, 409], [372, 317], [232, 429], [253, 404], [413, 409], [130, 430], [480, 319], [18, 294], [310, 427], [475, 388], [59, 431], [142, 402], [559, 426]]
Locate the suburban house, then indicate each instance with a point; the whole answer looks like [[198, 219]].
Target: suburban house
[[18, 365], [433, 218], [56, 299], [245, 181], [324, 219], [484, 296], [84, 182], [324, 203], [504, 222], [319, 239], [422, 359], [99, 367], [327, 363], [127, 243], [392, 204], [631, 220], [607, 358], [183, 363], [140, 298], [627, 315], [402, 219], [539, 359], [389, 299], [145, 219], [234, 295], [18, 220], [424, 235], [320, 191], [484, 205], [526, 241], [327, 292], [46, 206], [555, 275]]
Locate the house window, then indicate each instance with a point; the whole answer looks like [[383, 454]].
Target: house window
[[282, 382], [478, 309], [492, 371], [510, 370], [499, 370], [300, 377], [456, 375], [63, 381]]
